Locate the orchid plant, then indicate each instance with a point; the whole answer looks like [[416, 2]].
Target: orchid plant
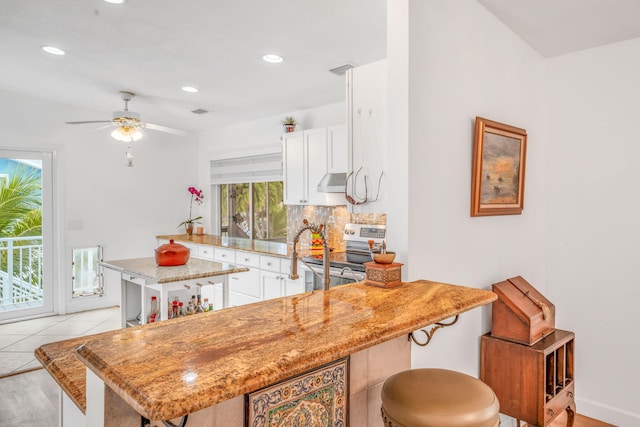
[[196, 196]]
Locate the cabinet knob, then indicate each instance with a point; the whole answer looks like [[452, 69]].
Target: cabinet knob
[[247, 259]]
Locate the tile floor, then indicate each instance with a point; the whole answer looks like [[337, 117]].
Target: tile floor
[[19, 340]]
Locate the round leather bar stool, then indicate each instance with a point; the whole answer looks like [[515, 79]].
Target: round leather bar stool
[[438, 398]]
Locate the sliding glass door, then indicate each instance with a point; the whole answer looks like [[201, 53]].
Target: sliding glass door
[[26, 261]]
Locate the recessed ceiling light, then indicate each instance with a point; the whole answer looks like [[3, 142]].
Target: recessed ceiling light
[[115, 1], [190, 89], [53, 50], [273, 58]]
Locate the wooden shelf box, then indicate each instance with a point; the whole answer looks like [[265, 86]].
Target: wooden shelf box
[[533, 383]]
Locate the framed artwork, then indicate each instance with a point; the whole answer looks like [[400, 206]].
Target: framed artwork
[[317, 398], [497, 180]]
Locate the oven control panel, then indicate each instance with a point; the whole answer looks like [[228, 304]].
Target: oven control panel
[[364, 232]]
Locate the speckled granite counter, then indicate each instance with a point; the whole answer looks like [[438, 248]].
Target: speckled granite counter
[[194, 269], [261, 246], [168, 369]]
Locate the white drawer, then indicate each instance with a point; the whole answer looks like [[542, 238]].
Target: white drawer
[[236, 299], [270, 263], [134, 279], [247, 282], [249, 259], [224, 255], [205, 252]]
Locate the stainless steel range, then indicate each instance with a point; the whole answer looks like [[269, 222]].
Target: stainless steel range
[[347, 267]]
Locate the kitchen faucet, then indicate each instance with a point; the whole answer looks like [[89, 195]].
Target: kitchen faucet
[[319, 229]]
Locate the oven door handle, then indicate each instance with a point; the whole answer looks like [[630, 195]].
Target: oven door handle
[[358, 276]]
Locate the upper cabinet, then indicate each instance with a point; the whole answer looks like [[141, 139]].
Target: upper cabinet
[[367, 131], [307, 156]]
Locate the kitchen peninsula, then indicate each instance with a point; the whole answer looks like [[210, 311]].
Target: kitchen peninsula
[[204, 365]]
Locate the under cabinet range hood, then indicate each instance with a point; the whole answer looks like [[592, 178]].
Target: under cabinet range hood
[[333, 183]]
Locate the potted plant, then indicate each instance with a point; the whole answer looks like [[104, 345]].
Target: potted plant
[[197, 196], [289, 124]]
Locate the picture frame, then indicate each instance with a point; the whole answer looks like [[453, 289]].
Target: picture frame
[[498, 172]]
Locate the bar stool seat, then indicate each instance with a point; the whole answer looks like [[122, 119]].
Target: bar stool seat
[[438, 398]]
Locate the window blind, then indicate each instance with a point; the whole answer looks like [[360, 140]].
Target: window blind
[[254, 168]]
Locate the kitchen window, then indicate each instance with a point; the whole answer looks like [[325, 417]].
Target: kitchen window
[[250, 195], [253, 211]]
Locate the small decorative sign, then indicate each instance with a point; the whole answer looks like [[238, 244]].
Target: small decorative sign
[[317, 398]]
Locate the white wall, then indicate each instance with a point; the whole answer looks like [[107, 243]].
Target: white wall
[[463, 63], [257, 134], [576, 240], [120, 207], [593, 254]]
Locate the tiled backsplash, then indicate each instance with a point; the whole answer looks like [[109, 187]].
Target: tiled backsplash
[[334, 216]]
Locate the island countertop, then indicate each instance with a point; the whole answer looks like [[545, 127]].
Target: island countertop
[[194, 269], [169, 369]]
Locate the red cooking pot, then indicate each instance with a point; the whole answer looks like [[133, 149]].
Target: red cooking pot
[[172, 254]]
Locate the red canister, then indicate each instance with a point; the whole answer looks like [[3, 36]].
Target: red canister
[[172, 254]]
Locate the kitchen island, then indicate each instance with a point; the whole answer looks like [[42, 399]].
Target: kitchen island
[[204, 365], [142, 278]]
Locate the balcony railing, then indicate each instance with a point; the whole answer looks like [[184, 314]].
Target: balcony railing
[[20, 271]]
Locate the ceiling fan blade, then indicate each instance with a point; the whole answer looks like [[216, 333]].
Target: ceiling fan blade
[[165, 129], [89, 121]]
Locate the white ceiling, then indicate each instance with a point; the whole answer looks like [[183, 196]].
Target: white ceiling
[[557, 27], [154, 47]]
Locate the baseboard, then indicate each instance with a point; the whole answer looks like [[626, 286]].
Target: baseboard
[[606, 413]]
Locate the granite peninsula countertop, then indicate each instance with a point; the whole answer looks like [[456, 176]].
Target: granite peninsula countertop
[[195, 268], [261, 246], [168, 369]]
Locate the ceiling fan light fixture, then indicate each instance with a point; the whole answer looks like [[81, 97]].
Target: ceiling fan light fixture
[[126, 134], [273, 58], [53, 50]]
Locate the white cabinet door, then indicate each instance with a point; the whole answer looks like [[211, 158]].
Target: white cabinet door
[[295, 184], [293, 287], [315, 144], [236, 299], [337, 149], [247, 283], [271, 284]]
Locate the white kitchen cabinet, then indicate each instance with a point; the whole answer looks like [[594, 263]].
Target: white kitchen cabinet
[[367, 132], [224, 255], [244, 288], [307, 156], [337, 157], [293, 287], [275, 281], [271, 284]]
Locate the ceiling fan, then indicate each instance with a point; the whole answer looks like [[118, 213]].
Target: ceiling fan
[[128, 124]]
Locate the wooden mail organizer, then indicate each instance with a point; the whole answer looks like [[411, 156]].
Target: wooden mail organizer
[[526, 361]]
